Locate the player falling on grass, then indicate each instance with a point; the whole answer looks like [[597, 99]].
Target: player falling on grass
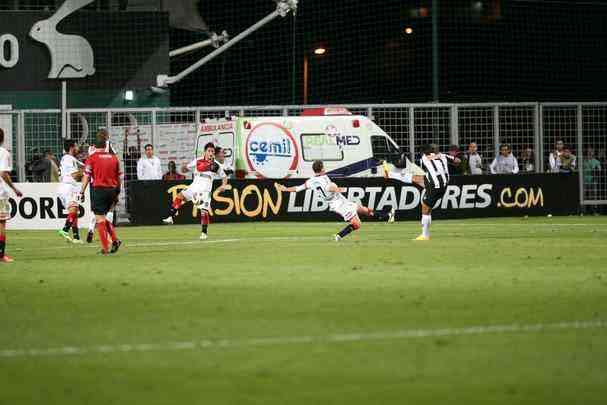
[[331, 193], [103, 168], [206, 169], [435, 181], [69, 191], [5, 207]]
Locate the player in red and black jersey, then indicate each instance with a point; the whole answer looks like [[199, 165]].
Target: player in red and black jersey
[[205, 169], [104, 167]]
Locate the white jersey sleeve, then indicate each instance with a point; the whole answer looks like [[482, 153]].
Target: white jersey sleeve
[[303, 186]]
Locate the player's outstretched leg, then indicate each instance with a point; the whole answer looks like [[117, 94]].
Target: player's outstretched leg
[[426, 221], [387, 215], [174, 209], [205, 219], [351, 227]]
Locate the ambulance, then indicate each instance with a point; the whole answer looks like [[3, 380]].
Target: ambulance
[[285, 147]]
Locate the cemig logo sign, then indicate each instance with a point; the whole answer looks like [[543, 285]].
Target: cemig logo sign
[[271, 151]]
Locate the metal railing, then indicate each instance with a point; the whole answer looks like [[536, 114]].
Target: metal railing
[[531, 129]]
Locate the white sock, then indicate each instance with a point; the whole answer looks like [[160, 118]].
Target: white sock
[[426, 221], [110, 217], [92, 223]]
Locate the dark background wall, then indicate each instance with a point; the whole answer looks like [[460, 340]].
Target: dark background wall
[[130, 49], [489, 50]]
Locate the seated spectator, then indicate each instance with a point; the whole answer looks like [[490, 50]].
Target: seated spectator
[[528, 161], [567, 161], [505, 162], [553, 159], [461, 167], [475, 161], [172, 174]]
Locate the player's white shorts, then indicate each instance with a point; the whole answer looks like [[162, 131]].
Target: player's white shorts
[[5, 209], [199, 194], [68, 194], [347, 209]]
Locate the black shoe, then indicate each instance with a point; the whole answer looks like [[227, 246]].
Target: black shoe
[[115, 246], [89, 237]]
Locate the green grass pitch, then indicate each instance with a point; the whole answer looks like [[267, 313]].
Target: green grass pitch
[[493, 311]]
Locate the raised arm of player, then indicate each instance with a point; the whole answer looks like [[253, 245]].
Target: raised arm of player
[[294, 189], [451, 159]]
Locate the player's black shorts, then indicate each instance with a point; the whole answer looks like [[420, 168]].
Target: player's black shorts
[[102, 199], [433, 194]]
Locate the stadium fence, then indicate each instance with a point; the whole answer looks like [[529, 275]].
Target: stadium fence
[[533, 127]]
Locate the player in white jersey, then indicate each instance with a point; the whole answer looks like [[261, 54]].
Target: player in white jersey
[[331, 193], [69, 191], [5, 207], [205, 169]]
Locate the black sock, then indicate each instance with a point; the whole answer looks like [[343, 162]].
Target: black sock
[[68, 225], [205, 228], [76, 232], [2, 247], [347, 230]]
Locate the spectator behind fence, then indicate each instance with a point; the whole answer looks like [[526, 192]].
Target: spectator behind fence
[[592, 172], [505, 162], [131, 155], [172, 174], [38, 168], [475, 161], [54, 166], [149, 166], [527, 162], [554, 158], [567, 161], [461, 167]]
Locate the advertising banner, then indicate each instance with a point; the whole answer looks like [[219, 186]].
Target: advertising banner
[[40, 208], [466, 197]]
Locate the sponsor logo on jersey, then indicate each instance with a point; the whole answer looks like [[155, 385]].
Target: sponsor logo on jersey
[[271, 151]]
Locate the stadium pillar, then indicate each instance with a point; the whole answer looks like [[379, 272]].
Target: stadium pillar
[[64, 120], [306, 75], [435, 52], [580, 151]]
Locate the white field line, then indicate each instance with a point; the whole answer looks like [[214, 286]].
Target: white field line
[[295, 340], [126, 244]]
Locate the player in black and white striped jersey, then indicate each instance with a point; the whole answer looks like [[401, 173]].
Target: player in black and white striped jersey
[[436, 179]]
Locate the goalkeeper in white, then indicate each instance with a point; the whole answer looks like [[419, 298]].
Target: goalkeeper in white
[[331, 193]]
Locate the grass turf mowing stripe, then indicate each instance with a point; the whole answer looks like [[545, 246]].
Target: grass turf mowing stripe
[[281, 341]]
